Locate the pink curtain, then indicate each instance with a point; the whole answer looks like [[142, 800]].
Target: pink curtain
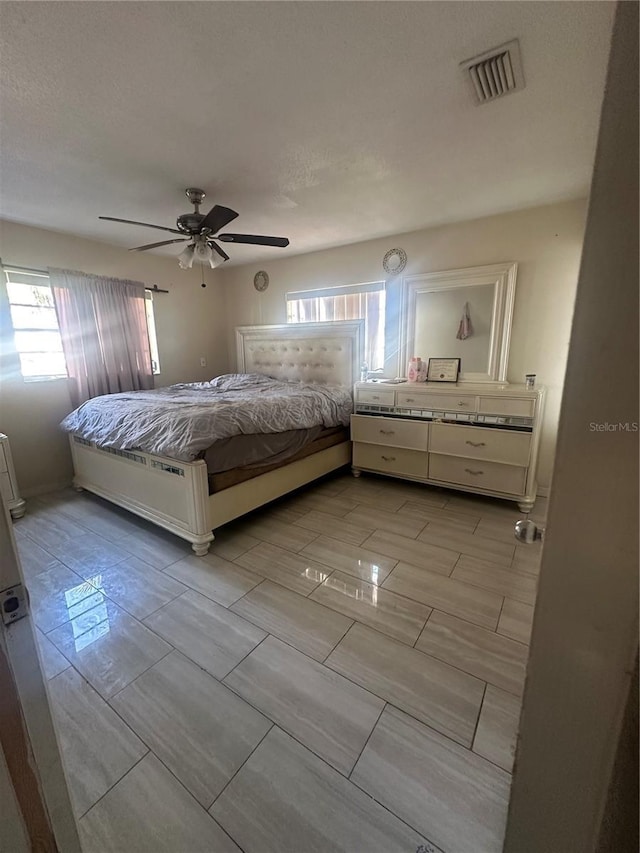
[[103, 325]]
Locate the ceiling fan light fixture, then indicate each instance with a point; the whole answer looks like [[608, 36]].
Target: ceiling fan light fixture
[[185, 258]]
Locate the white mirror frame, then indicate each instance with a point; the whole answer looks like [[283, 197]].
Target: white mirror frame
[[502, 276]]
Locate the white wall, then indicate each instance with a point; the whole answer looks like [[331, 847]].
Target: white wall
[[545, 241], [190, 322]]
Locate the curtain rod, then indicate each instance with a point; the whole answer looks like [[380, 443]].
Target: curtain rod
[[154, 288]]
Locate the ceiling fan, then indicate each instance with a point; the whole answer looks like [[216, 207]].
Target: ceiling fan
[[199, 230]]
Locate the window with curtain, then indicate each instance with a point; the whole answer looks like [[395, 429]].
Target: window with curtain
[[104, 333], [36, 333], [35, 329], [350, 302]]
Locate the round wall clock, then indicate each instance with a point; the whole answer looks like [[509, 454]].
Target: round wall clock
[[394, 261], [261, 281]]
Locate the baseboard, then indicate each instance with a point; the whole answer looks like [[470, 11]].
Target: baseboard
[[543, 491]]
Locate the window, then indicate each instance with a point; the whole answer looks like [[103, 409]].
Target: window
[[351, 302], [151, 329], [35, 326]]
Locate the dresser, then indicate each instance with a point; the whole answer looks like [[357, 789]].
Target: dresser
[[8, 482], [476, 438]]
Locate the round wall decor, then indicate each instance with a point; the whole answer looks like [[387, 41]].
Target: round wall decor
[[394, 261], [261, 281]]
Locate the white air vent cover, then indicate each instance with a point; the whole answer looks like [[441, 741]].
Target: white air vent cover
[[495, 73]]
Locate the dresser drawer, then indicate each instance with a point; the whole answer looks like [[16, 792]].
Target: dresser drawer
[[494, 445], [383, 397], [390, 460], [480, 474], [507, 406], [393, 433], [437, 402]]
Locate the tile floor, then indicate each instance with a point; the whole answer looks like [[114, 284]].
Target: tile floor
[[343, 672]]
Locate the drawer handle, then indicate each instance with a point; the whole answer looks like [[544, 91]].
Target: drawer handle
[[375, 397], [475, 443], [387, 432], [462, 403], [389, 458], [473, 473], [409, 399]]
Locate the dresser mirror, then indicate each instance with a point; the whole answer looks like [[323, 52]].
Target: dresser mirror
[[463, 314]]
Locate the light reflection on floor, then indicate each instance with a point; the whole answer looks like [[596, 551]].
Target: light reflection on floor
[[87, 612]]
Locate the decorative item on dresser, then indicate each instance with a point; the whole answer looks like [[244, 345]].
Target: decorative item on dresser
[[476, 438], [8, 482]]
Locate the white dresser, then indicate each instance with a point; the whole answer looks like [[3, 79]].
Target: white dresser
[[8, 482], [477, 438]]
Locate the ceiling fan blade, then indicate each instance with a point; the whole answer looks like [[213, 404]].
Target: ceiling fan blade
[[162, 243], [219, 250], [217, 218], [255, 239], [145, 224]]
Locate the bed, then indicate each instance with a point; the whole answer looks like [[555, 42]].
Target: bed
[[181, 496]]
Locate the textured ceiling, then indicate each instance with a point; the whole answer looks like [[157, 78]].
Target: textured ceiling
[[327, 122]]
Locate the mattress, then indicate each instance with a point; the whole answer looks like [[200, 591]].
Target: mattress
[[221, 480]]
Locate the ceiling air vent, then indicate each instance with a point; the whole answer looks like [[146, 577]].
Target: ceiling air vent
[[495, 73]]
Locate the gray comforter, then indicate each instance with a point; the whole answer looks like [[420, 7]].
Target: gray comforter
[[182, 421]]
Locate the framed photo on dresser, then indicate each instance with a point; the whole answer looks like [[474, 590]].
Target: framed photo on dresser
[[443, 370]]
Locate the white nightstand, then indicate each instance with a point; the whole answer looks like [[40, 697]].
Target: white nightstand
[[8, 482]]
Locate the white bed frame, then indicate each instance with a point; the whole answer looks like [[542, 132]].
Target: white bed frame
[[174, 494]]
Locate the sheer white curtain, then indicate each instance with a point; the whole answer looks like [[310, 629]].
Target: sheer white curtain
[[103, 325], [353, 302]]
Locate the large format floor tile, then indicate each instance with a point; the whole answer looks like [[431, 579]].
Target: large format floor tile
[[385, 611], [137, 587], [434, 692], [346, 531], [418, 553], [109, 647], [333, 505], [215, 577], [380, 519], [498, 727], [33, 558], [231, 542], [471, 544], [97, 747], [286, 800], [445, 517], [295, 571], [309, 627], [443, 593], [205, 632], [516, 620], [52, 660], [329, 714], [508, 582], [59, 595], [351, 559], [156, 547], [149, 811], [88, 554], [200, 729], [485, 654], [278, 533], [448, 793]]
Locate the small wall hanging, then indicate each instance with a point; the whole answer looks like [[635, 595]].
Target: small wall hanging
[[394, 261], [261, 281]]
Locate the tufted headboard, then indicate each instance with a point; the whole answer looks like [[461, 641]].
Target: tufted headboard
[[327, 353]]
